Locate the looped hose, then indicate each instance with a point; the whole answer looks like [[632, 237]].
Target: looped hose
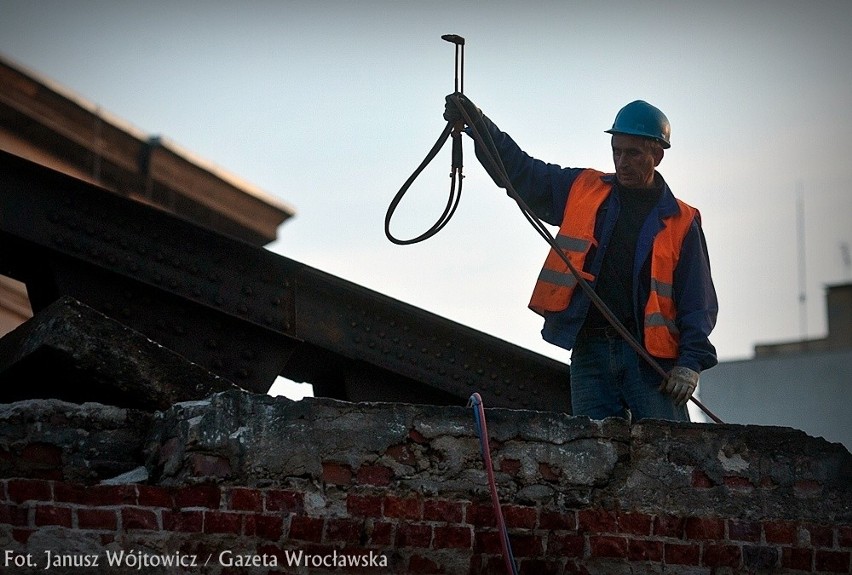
[[455, 191]]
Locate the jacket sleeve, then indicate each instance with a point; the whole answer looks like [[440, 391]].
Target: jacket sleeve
[[697, 306], [544, 187]]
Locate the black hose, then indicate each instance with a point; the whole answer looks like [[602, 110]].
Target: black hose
[[455, 191]]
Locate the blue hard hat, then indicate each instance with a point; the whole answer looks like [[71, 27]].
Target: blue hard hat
[[639, 118]]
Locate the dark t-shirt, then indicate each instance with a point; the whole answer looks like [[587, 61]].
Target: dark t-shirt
[[615, 280]]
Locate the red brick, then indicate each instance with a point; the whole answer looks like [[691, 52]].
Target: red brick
[[97, 519], [701, 480], [487, 542], [743, 530], [844, 535], [401, 453], [526, 545], [443, 510], [556, 520], [244, 499], [417, 437], [832, 561], [635, 523], [520, 517], [22, 535], [364, 505], [206, 465], [223, 522], [540, 567], [548, 472], [807, 489], [21, 490], [380, 533], [202, 496], [71, 493], [784, 532], [797, 558], [702, 528], [138, 518], [377, 475], [154, 496], [645, 550], [481, 515], [452, 537], [604, 546], [565, 545], [821, 535], [105, 495], [284, 500], [402, 507], [677, 554], [15, 515], [52, 515], [510, 466], [336, 473], [722, 556], [183, 521], [413, 535], [306, 528], [597, 521], [669, 526], [343, 530], [267, 527], [737, 483]]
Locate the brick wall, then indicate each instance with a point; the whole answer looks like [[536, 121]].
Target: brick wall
[[250, 479]]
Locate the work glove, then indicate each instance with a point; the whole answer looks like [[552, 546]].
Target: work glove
[[681, 384], [453, 114]]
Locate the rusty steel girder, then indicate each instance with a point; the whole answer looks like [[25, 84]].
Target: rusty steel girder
[[244, 313]]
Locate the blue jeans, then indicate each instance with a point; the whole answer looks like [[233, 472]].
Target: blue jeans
[[609, 379]]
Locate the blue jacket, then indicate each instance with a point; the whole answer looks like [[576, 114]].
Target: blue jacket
[[544, 187]]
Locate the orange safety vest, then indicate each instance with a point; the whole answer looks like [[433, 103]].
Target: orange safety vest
[[556, 283]]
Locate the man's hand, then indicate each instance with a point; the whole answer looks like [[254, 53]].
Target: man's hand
[[452, 112], [681, 384]]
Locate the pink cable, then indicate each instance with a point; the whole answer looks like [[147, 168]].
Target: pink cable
[[482, 429]]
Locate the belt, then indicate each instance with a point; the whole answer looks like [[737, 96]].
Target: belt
[[603, 332]]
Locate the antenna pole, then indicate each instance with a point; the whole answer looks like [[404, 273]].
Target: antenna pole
[[800, 236]]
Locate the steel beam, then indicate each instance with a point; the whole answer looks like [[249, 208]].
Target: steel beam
[[243, 312]]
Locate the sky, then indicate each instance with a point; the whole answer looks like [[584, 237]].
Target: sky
[[330, 105]]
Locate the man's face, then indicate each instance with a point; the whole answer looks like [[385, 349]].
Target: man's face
[[635, 160]]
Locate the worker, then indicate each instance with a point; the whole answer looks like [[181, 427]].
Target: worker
[[641, 249]]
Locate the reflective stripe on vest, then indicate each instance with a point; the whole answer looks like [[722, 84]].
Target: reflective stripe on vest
[[556, 284], [576, 236]]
